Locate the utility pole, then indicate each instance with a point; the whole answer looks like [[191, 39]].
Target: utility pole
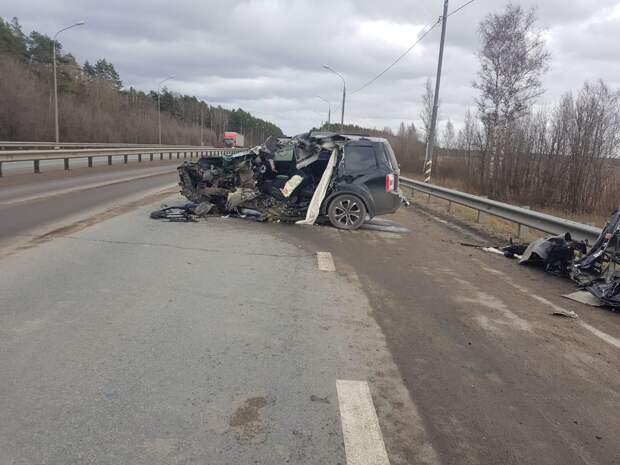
[[56, 128], [344, 94], [428, 159]]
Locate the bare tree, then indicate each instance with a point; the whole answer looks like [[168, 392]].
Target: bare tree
[[427, 108], [448, 138], [513, 60]]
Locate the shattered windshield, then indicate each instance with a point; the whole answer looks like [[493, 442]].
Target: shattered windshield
[[284, 154]]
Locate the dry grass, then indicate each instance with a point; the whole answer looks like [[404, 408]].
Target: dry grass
[[490, 224]]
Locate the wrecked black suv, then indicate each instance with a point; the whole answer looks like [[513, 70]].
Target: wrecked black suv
[[344, 178]]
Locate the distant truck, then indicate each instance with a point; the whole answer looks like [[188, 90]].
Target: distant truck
[[233, 139]]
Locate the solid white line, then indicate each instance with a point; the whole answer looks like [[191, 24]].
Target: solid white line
[[325, 261], [81, 188], [604, 336], [363, 441]]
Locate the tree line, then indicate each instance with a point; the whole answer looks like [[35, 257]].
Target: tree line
[[94, 105]]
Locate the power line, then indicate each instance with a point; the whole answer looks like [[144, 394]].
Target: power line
[[406, 52], [461, 7], [399, 58]]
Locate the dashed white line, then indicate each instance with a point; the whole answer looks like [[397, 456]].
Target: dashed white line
[[363, 441], [325, 261]]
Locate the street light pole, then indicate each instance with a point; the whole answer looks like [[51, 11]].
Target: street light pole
[[344, 93], [428, 159], [202, 123], [57, 131], [329, 110], [159, 106]]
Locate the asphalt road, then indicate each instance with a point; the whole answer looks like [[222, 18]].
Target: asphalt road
[[129, 340], [29, 204]]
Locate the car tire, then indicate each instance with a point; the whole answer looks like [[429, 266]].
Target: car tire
[[346, 212]]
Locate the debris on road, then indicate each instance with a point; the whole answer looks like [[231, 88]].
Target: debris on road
[[493, 250], [584, 297], [599, 270], [596, 272], [556, 253], [180, 213], [509, 251], [565, 314], [346, 178]]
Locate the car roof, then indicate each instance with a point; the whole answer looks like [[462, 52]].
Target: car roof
[[351, 137]]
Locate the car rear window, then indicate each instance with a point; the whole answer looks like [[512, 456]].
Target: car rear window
[[391, 155], [359, 158]]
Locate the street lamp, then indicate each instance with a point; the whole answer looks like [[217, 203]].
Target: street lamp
[[329, 111], [344, 93], [159, 106], [79, 23]]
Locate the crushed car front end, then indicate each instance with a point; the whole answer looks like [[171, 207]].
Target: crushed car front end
[[298, 179]]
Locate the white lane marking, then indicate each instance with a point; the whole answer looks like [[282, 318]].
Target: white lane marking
[[604, 336], [363, 441], [325, 261], [548, 303], [70, 190], [597, 332]]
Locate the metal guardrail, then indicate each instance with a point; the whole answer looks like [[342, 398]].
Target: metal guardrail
[[36, 156], [519, 215], [12, 145]]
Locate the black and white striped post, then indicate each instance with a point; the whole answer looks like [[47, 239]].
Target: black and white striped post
[[428, 165], [428, 160]]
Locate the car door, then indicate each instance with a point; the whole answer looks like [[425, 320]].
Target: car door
[[362, 170]]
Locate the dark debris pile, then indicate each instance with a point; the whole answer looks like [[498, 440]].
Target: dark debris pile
[[596, 270]]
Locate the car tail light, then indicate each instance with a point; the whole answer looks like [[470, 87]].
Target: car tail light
[[389, 183]]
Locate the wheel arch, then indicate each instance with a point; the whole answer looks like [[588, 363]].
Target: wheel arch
[[365, 198]]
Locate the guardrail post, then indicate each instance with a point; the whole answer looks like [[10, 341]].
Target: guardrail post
[[169, 155], [449, 205], [125, 157], [66, 160], [109, 160], [36, 166], [482, 216], [184, 154], [178, 155], [139, 158], [161, 156], [90, 162], [151, 157], [523, 230], [0, 169]]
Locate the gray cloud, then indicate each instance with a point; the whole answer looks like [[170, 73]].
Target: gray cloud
[[266, 55]]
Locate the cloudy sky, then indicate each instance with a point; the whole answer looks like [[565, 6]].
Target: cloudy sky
[[266, 56]]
